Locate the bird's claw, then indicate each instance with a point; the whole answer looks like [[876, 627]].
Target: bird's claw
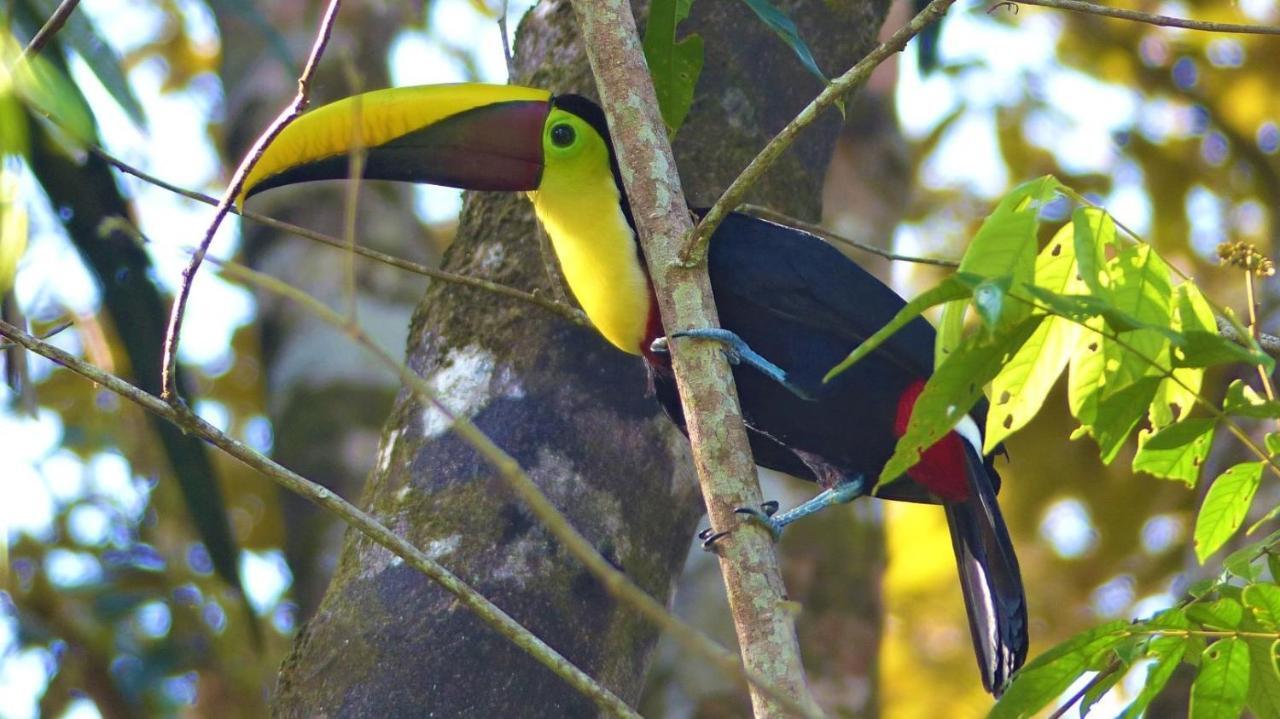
[[762, 516]]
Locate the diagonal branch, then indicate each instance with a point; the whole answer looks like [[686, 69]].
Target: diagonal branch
[[295, 108], [49, 29], [1145, 17], [695, 250], [499, 620], [726, 472]]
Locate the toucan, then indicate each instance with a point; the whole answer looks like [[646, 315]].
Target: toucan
[[790, 306]]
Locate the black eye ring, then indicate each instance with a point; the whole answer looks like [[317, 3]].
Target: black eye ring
[[562, 135]]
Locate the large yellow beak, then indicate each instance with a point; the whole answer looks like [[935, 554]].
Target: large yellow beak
[[470, 136]]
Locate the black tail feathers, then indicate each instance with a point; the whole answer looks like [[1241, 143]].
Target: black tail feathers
[[989, 576]]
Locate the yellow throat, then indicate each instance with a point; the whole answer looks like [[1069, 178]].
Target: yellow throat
[[579, 204]]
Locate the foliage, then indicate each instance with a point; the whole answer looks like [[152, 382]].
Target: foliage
[[1135, 345], [674, 64]]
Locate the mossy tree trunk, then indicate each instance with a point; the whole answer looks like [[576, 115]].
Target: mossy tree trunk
[[569, 408]]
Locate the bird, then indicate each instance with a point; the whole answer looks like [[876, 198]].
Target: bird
[[790, 306]]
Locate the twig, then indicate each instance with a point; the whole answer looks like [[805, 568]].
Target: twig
[[1148, 18], [695, 249], [49, 29], [726, 472], [349, 513], [615, 582], [1097, 679], [506, 42], [771, 215], [295, 108], [61, 326], [563, 310]]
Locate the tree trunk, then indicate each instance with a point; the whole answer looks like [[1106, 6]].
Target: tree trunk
[[569, 408]]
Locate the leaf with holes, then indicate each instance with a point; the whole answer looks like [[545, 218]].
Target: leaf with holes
[[1020, 389], [1220, 689], [1178, 393], [1093, 231], [1244, 401], [952, 391], [1178, 451], [674, 64], [1225, 507]]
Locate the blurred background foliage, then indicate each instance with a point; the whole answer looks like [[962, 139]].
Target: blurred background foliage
[[111, 606]]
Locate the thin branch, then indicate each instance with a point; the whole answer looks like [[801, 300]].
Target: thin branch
[[295, 108], [771, 215], [695, 249], [563, 310], [1148, 18], [1269, 343], [49, 29], [506, 42], [499, 620], [764, 622], [1097, 679]]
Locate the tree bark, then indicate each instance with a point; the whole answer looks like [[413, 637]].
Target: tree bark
[[570, 409]]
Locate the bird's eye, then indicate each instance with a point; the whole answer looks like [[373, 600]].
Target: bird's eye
[[562, 135]]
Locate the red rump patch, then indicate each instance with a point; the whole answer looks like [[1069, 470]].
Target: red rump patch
[[941, 468]]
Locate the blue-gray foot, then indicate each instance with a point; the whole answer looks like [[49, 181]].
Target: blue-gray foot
[[767, 514], [737, 351]]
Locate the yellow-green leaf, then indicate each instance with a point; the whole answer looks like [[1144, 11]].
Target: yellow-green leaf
[[1177, 451], [1225, 507]]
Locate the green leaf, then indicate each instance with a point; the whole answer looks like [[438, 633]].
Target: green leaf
[[1221, 686], [1094, 232], [1205, 349], [1157, 678], [1225, 507], [48, 92], [950, 330], [1050, 674], [1272, 442], [1273, 565], [951, 392], [781, 25], [1005, 245], [1224, 613], [1263, 600], [988, 300], [1101, 687], [1178, 451], [1243, 401], [81, 36], [1264, 677], [674, 64], [1242, 563], [1019, 391], [1178, 394], [949, 289], [1118, 414]]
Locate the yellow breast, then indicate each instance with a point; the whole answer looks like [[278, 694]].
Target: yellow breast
[[597, 252]]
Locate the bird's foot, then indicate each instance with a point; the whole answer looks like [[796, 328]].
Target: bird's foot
[[842, 493], [737, 351], [762, 516]]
